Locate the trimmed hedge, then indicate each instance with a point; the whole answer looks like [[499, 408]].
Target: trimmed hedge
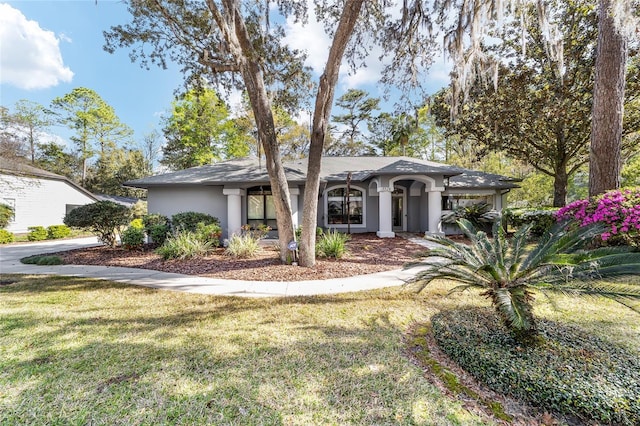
[[157, 227], [566, 371], [542, 219], [55, 232], [37, 233], [42, 260], [6, 213], [188, 221], [6, 237], [132, 238]]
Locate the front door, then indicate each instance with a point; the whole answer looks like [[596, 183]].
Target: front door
[[398, 210]]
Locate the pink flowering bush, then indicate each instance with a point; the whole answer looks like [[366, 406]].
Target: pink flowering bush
[[619, 210]]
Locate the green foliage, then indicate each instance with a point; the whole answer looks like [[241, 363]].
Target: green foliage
[[158, 233], [139, 209], [6, 237], [114, 167], [358, 108], [155, 219], [137, 223], [183, 245], [507, 272], [567, 371], [188, 221], [332, 244], [6, 214], [103, 218], [55, 232], [209, 233], [42, 260], [157, 227], [37, 233], [199, 131], [96, 125], [53, 157], [298, 232], [132, 238], [243, 246], [480, 215], [541, 220]]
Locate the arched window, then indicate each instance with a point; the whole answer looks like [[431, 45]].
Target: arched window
[[340, 211]]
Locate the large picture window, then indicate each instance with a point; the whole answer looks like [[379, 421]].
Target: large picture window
[[260, 208], [341, 212]]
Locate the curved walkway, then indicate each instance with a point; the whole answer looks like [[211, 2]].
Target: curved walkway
[[10, 256]]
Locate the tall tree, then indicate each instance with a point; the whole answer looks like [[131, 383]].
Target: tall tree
[[53, 157], [236, 43], [200, 131], [358, 109], [94, 121], [151, 147], [608, 103], [536, 114], [32, 120], [115, 167]]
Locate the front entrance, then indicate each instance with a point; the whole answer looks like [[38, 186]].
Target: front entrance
[[398, 210]]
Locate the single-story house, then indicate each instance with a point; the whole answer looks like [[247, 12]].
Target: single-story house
[[38, 197], [387, 194]]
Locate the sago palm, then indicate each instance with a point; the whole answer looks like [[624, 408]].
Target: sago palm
[[508, 272]]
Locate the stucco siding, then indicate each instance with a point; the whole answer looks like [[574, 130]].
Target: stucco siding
[[204, 199], [38, 202]]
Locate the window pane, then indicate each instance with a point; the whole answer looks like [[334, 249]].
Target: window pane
[[271, 208], [338, 192], [255, 208]]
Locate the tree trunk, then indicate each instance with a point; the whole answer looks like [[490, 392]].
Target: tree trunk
[[321, 115], [261, 106], [560, 182], [608, 105]]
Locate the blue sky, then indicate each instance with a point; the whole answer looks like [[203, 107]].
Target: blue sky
[[48, 48]]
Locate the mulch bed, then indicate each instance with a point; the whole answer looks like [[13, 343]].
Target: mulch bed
[[367, 254]]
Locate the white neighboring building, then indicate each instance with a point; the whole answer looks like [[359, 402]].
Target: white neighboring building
[[38, 197]]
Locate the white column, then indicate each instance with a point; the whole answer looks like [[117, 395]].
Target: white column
[[234, 210], [385, 228], [435, 212], [293, 194]]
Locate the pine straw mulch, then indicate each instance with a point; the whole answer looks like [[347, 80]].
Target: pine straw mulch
[[367, 254]]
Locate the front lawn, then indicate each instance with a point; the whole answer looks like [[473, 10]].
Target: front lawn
[[81, 351]]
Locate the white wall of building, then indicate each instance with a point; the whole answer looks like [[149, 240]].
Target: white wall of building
[[37, 201]]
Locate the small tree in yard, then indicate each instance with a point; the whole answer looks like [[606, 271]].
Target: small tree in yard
[[507, 273], [103, 218]]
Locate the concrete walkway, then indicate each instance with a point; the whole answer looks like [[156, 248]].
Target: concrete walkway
[[10, 256]]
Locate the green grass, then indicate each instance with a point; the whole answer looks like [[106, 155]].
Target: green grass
[[81, 351]]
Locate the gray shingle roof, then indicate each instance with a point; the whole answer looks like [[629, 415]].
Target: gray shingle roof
[[248, 170]]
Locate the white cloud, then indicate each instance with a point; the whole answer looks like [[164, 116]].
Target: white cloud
[[310, 38], [30, 57]]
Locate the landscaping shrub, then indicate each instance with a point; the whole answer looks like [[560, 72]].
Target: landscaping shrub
[[155, 219], [37, 233], [298, 232], [158, 233], [42, 260], [619, 210], [183, 245], [136, 223], [568, 371], [541, 220], [132, 238], [481, 215], [6, 237], [6, 213], [188, 221], [332, 244], [209, 233], [55, 232], [243, 246], [103, 218], [157, 227]]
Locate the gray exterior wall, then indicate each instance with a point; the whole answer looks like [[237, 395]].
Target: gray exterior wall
[[204, 199]]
